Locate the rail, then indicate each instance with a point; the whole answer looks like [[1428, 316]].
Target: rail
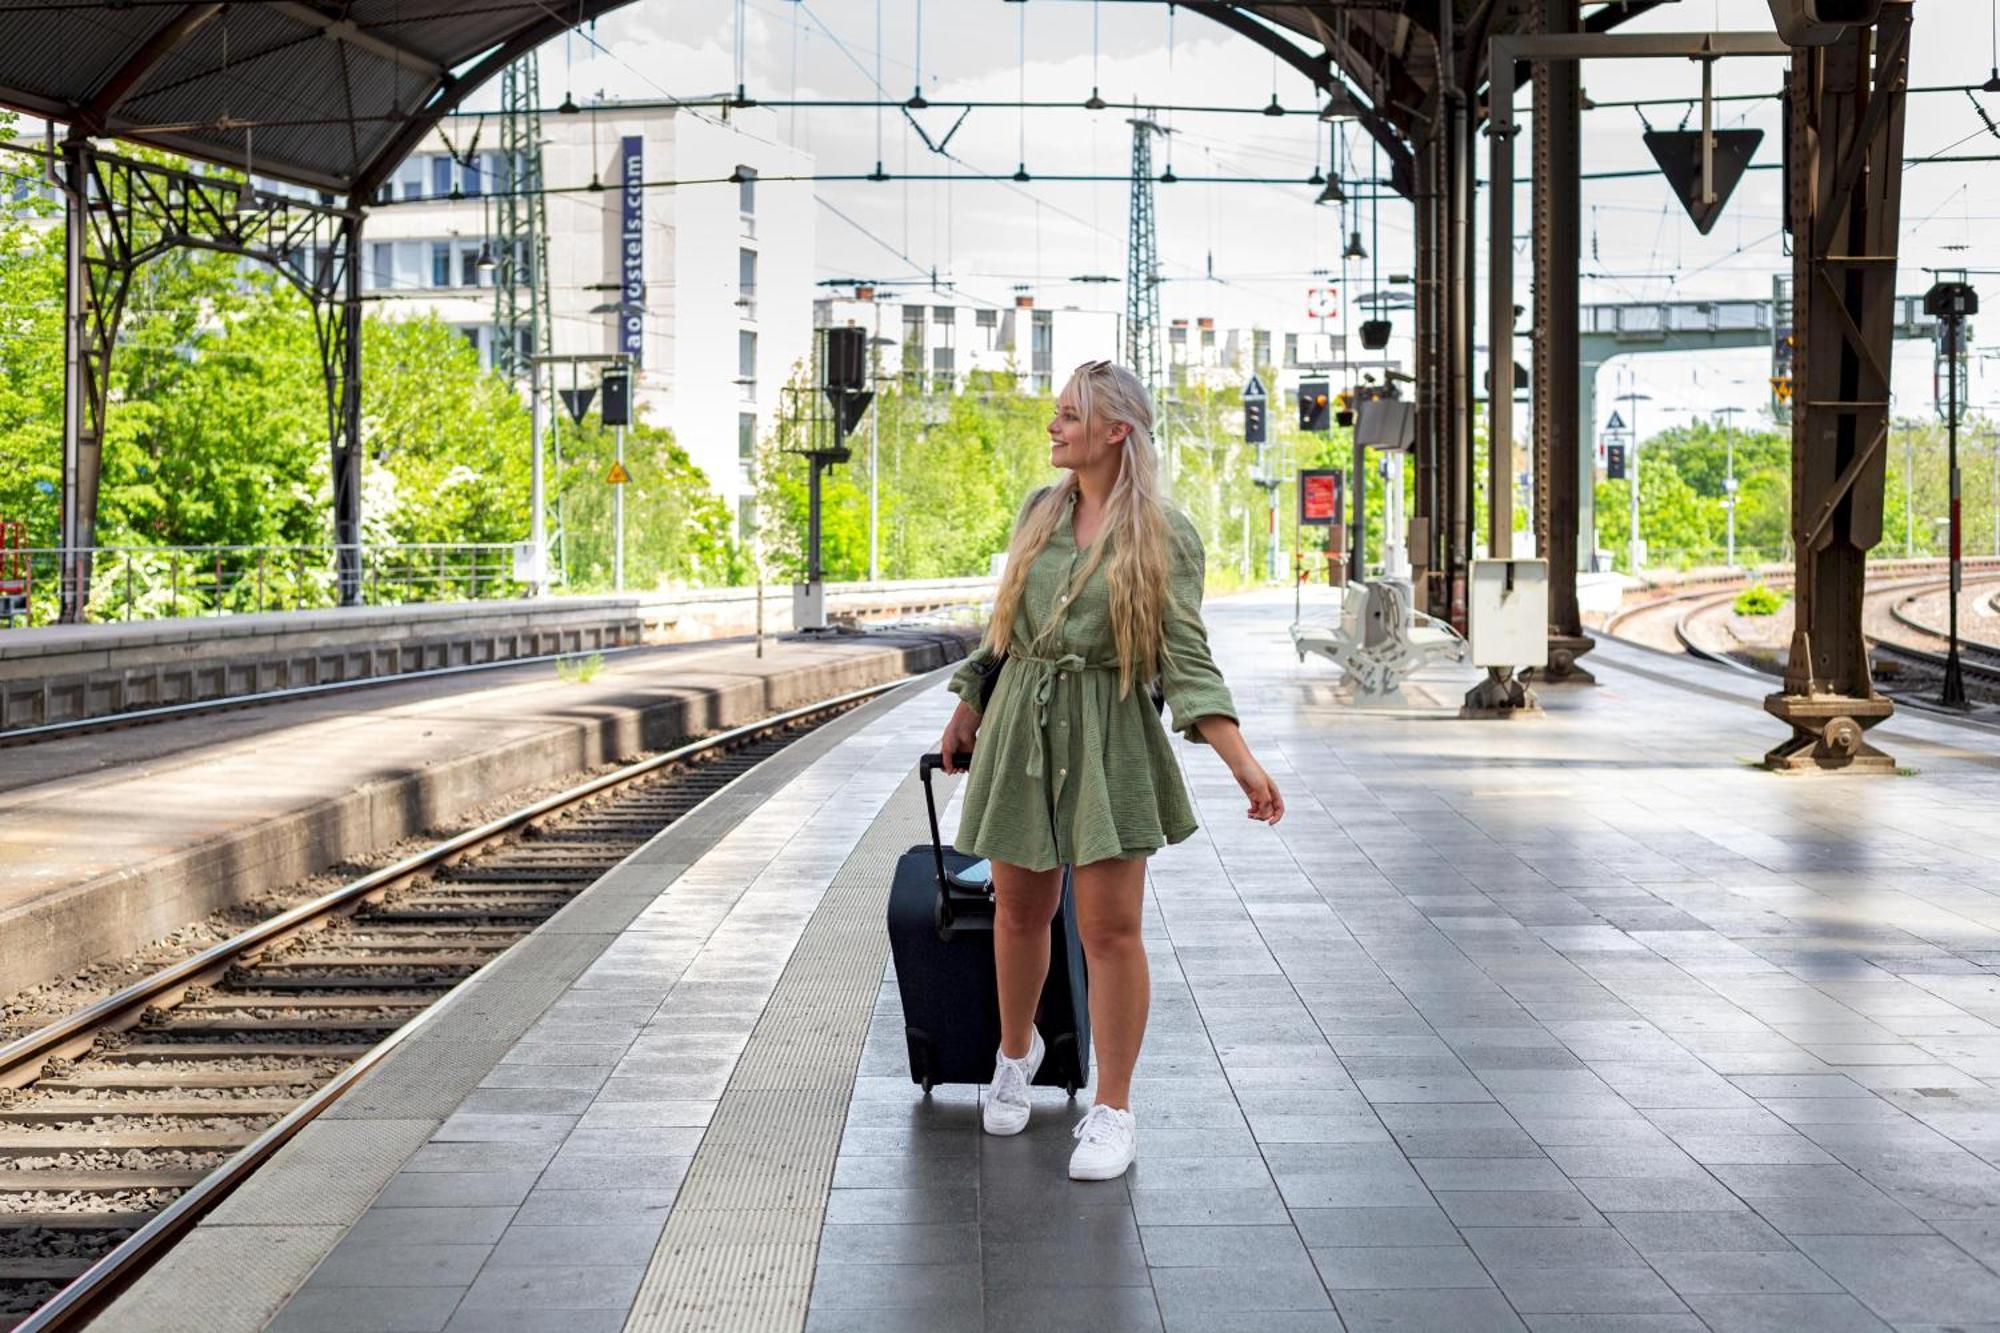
[[21, 1060]]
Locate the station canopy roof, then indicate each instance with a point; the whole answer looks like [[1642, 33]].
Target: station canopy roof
[[333, 94]]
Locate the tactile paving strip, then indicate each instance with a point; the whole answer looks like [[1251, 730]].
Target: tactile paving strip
[[739, 1248]]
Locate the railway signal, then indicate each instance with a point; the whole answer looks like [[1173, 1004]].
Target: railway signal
[[1256, 425], [1949, 303], [1313, 401]]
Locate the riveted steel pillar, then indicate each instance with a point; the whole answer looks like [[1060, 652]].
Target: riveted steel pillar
[[1843, 205], [1427, 567], [1562, 468], [98, 264], [344, 400]]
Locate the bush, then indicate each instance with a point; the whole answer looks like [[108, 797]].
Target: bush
[[1759, 600]]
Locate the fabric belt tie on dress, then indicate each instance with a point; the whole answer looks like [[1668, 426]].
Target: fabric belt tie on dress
[[1050, 670]]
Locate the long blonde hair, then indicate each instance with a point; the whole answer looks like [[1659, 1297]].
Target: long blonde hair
[[1135, 522]]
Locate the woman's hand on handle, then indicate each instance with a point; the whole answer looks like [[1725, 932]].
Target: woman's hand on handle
[[1265, 802], [959, 734]]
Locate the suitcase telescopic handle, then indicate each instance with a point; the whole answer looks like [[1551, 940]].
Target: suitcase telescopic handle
[[929, 764]]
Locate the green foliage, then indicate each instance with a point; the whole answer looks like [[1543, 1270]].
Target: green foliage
[[580, 670], [1758, 600], [217, 435]]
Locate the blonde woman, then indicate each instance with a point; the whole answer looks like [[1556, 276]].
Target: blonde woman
[[1101, 598]]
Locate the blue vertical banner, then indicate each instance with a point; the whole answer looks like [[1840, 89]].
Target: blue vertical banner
[[632, 248]]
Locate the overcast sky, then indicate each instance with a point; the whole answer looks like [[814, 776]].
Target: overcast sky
[[1260, 242]]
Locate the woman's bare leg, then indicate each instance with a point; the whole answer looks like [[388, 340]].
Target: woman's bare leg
[[1024, 902], [1109, 895]]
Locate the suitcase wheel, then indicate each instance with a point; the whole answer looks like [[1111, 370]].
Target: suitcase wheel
[[927, 1085], [1071, 1089]]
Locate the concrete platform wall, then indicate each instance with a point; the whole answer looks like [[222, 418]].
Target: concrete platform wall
[[64, 673], [73, 925]]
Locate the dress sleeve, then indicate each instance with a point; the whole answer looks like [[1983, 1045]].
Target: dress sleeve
[[1188, 675], [969, 679]]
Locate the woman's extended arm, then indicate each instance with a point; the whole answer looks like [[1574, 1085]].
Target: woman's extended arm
[[1202, 706], [1227, 738]]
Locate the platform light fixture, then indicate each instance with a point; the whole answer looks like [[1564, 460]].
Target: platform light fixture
[[1340, 104], [1332, 194], [1275, 109], [1355, 249], [1094, 102]]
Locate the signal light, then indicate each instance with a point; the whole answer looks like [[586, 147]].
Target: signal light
[[1312, 405]]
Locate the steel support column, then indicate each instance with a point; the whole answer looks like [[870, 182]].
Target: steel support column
[[1431, 594], [1562, 469], [1463, 353], [339, 322], [121, 213], [98, 263], [1843, 204]]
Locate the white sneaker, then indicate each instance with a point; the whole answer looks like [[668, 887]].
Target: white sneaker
[[1108, 1141], [1007, 1102]]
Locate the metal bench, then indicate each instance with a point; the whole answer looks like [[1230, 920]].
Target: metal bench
[[1380, 642]]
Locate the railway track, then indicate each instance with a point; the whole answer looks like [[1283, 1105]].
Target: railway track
[[122, 1124], [1905, 670]]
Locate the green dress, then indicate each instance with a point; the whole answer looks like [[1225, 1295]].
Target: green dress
[[1064, 771]]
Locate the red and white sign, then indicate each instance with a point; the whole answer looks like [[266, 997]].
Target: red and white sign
[[1322, 302]]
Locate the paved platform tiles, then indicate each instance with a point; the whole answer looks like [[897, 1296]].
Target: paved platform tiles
[[1574, 1023], [111, 840]]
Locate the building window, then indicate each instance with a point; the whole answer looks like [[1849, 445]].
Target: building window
[[410, 179], [913, 346], [1291, 349], [746, 282], [1208, 346], [1260, 348], [440, 175], [381, 267], [440, 263], [746, 516], [468, 265], [986, 325], [746, 363], [746, 198], [1042, 356], [941, 369], [472, 175], [746, 436]]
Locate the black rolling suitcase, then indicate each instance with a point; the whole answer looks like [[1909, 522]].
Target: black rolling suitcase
[[941, 933]]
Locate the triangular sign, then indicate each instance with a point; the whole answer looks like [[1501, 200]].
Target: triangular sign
[[1679, 154], [1255, 388], [1617, 422], [618, 476], [578, 401], [848, 405]]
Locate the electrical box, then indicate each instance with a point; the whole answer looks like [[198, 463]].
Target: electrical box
[[1508, 613], [808, 606], [529, 564]]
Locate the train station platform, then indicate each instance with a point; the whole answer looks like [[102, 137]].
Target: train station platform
[[1576, 1023], [112, 839]]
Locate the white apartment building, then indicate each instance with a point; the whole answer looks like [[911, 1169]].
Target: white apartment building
[[932, 344], [708, 286]]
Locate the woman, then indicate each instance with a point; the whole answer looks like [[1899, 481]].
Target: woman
[[1101, 597]]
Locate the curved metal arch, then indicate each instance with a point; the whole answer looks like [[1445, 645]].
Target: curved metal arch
[[1321, 70], [450, 96]]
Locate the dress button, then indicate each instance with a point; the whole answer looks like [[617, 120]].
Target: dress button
[[1062, 772]]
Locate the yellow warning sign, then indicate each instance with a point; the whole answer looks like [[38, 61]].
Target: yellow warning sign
[[618, 476]]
